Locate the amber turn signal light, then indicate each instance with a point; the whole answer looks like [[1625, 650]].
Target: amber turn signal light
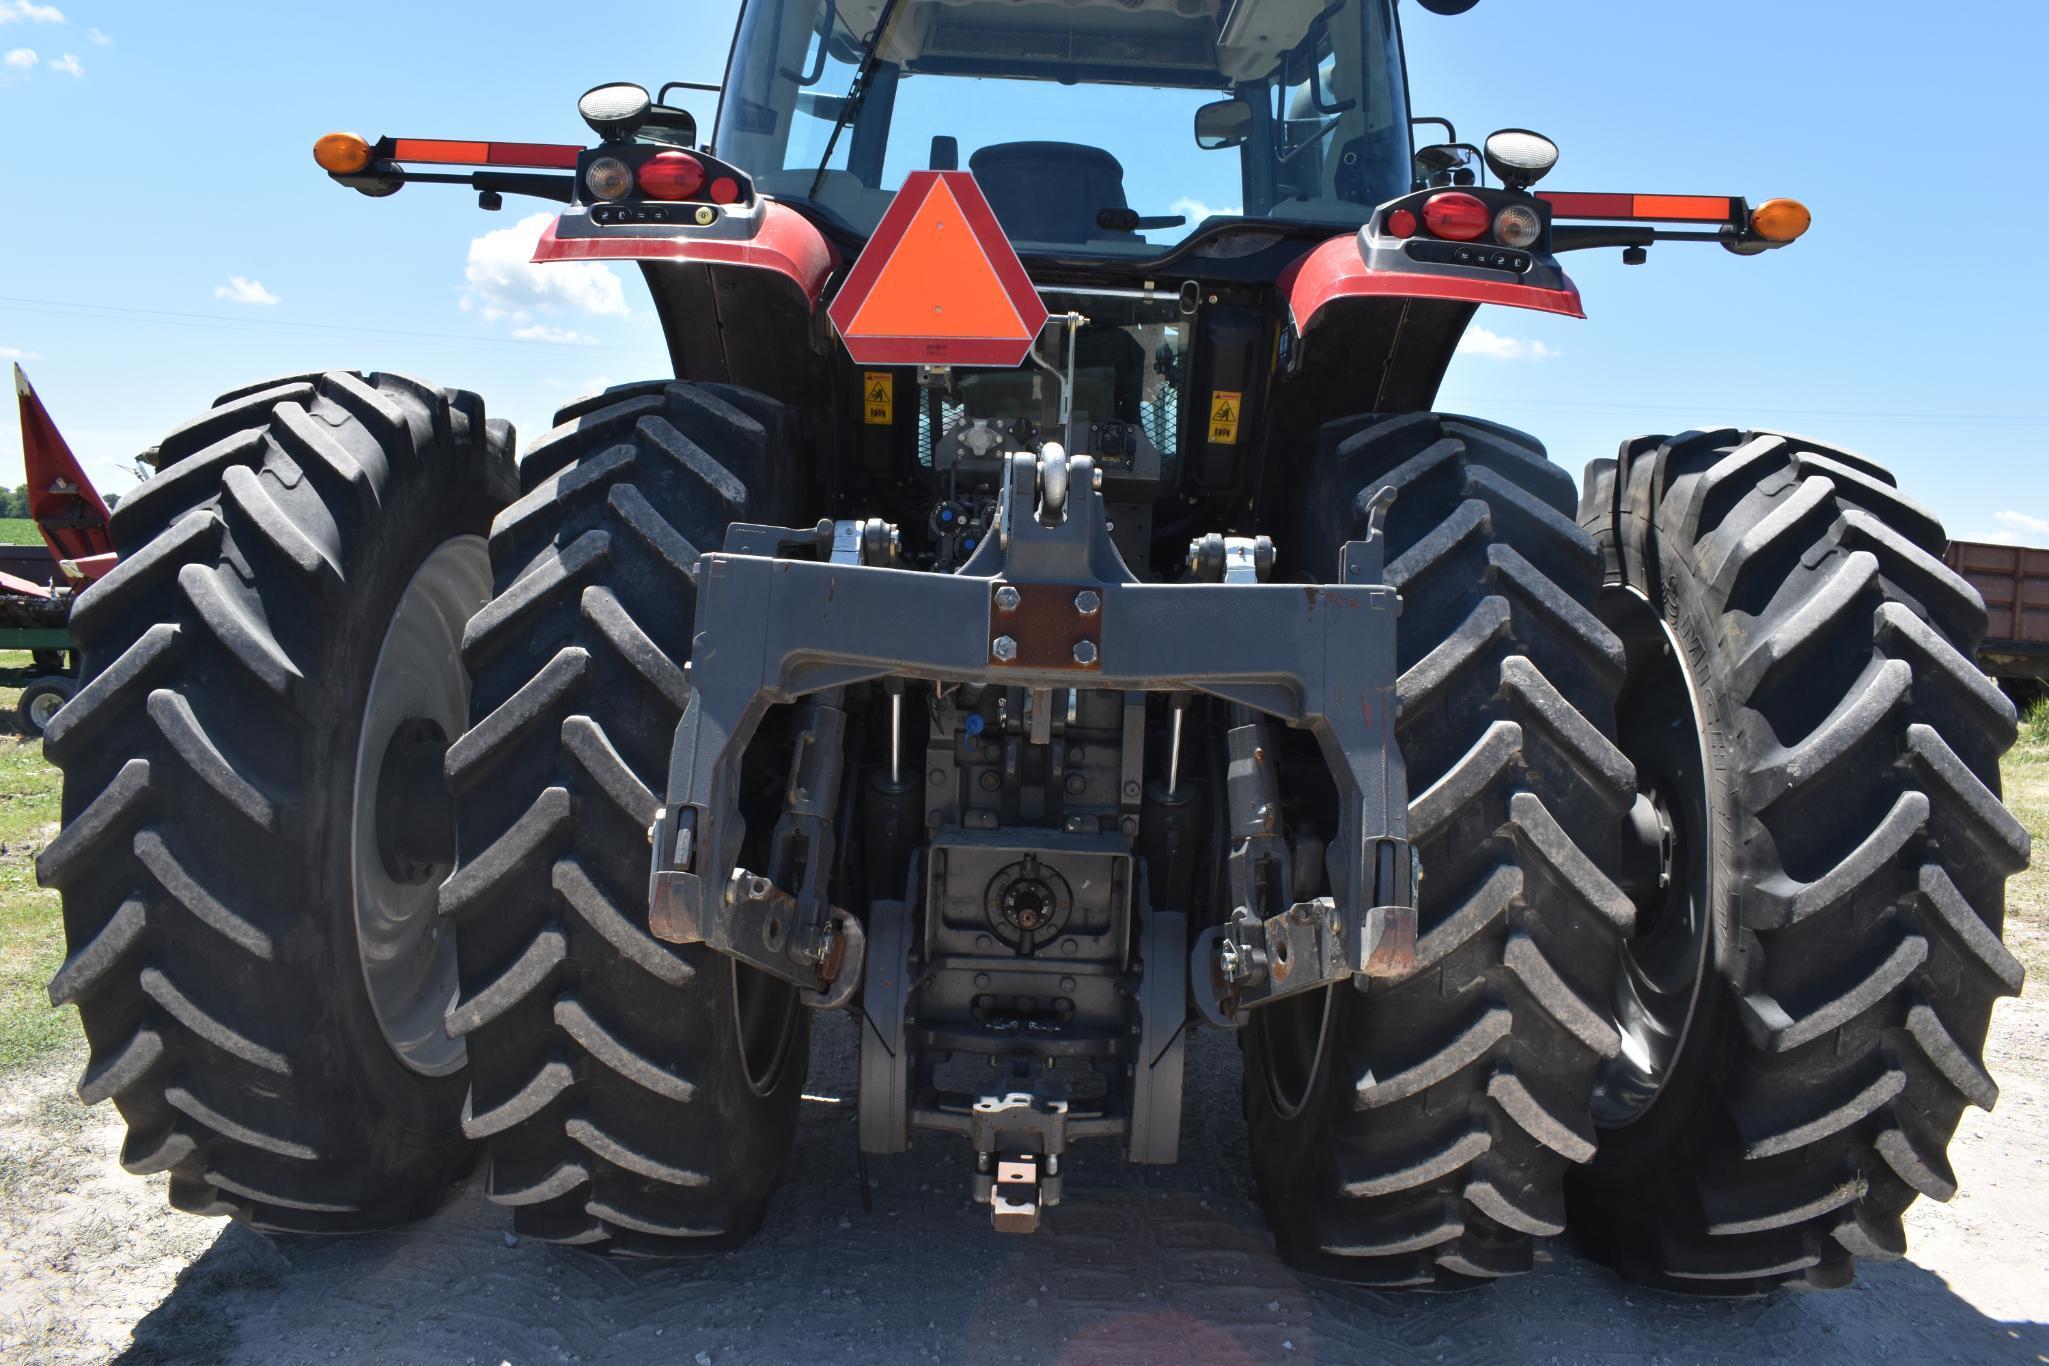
[[342, 153], [1780, 220]]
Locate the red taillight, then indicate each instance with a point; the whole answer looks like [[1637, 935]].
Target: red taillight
[[1459, 217], [671, 175], [725, 190], [1401, 223]]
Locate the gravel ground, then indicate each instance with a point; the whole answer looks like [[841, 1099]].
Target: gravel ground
[[1166, 1265]]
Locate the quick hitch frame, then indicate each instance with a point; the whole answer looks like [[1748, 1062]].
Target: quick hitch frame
[[1046, 604]]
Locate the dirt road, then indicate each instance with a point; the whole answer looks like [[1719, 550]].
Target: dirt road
[[1167, 1265]]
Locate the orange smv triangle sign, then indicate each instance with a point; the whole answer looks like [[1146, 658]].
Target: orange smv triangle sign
[[938, 283]]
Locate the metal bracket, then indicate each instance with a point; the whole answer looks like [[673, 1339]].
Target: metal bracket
[[761, 925], [1265, 953], [794, 935], [1014, 1196], [1249, 962], [1019, 1138]]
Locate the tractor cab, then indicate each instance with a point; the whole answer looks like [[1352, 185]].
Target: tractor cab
[[1113, 128]]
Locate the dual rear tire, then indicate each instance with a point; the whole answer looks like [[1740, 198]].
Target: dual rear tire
[[1806, 1002], [256, 970], [331, 919], [636, 1095], [1725, 1027], [1418, 1132], [1705, 786]]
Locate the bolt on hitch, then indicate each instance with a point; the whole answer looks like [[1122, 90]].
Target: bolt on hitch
[[763, 926], [1250, 962]]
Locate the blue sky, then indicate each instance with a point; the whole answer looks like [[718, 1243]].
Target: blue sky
[[166, 236]]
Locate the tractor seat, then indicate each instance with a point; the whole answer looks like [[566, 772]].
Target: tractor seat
[[1051, 191]]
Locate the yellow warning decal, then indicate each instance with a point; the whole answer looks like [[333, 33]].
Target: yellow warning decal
[[879, 395], [1224, 409]]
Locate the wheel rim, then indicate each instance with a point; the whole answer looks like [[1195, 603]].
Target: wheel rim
[[417, 688], [1293, 1035], [42, 709], [1664, 961], [765, 1022]]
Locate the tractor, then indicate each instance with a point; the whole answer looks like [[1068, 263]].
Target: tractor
[[1042, 615]]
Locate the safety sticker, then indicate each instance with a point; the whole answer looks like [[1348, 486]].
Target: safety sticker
[[879, 388], [1224, 409]]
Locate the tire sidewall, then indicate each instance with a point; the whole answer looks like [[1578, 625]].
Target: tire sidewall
[[1287, 1148], [1650, 1149], [441, 495]]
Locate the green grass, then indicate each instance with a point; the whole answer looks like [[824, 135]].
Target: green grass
[[2035, 725], [19, 531], [31, 920], [2026, 776]]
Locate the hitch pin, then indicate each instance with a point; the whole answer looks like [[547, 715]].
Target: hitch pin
[[1180, 705], [896, 732]]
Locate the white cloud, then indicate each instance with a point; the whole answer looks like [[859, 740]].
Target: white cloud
[[16, 353], [2015, 528], [20, 58], [1194, 210], [241, 290], [2023, 525], [1478, 341], [99, 38], [28, 12], [69, 65], [548, 332], [504, 285]]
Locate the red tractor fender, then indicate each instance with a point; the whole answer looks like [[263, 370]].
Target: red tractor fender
[[66, 507], [784, 242], [1337, 270]]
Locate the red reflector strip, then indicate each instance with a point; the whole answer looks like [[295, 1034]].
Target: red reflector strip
[[443, 152], [1590, 205], [1665, 208], [1689, 208], [555, 156]]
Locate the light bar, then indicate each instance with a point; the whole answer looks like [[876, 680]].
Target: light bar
[[1663, 208], [552, 156]]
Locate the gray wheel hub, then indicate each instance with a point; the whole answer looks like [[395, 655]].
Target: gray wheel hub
[[43, 709], [418, 689]]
